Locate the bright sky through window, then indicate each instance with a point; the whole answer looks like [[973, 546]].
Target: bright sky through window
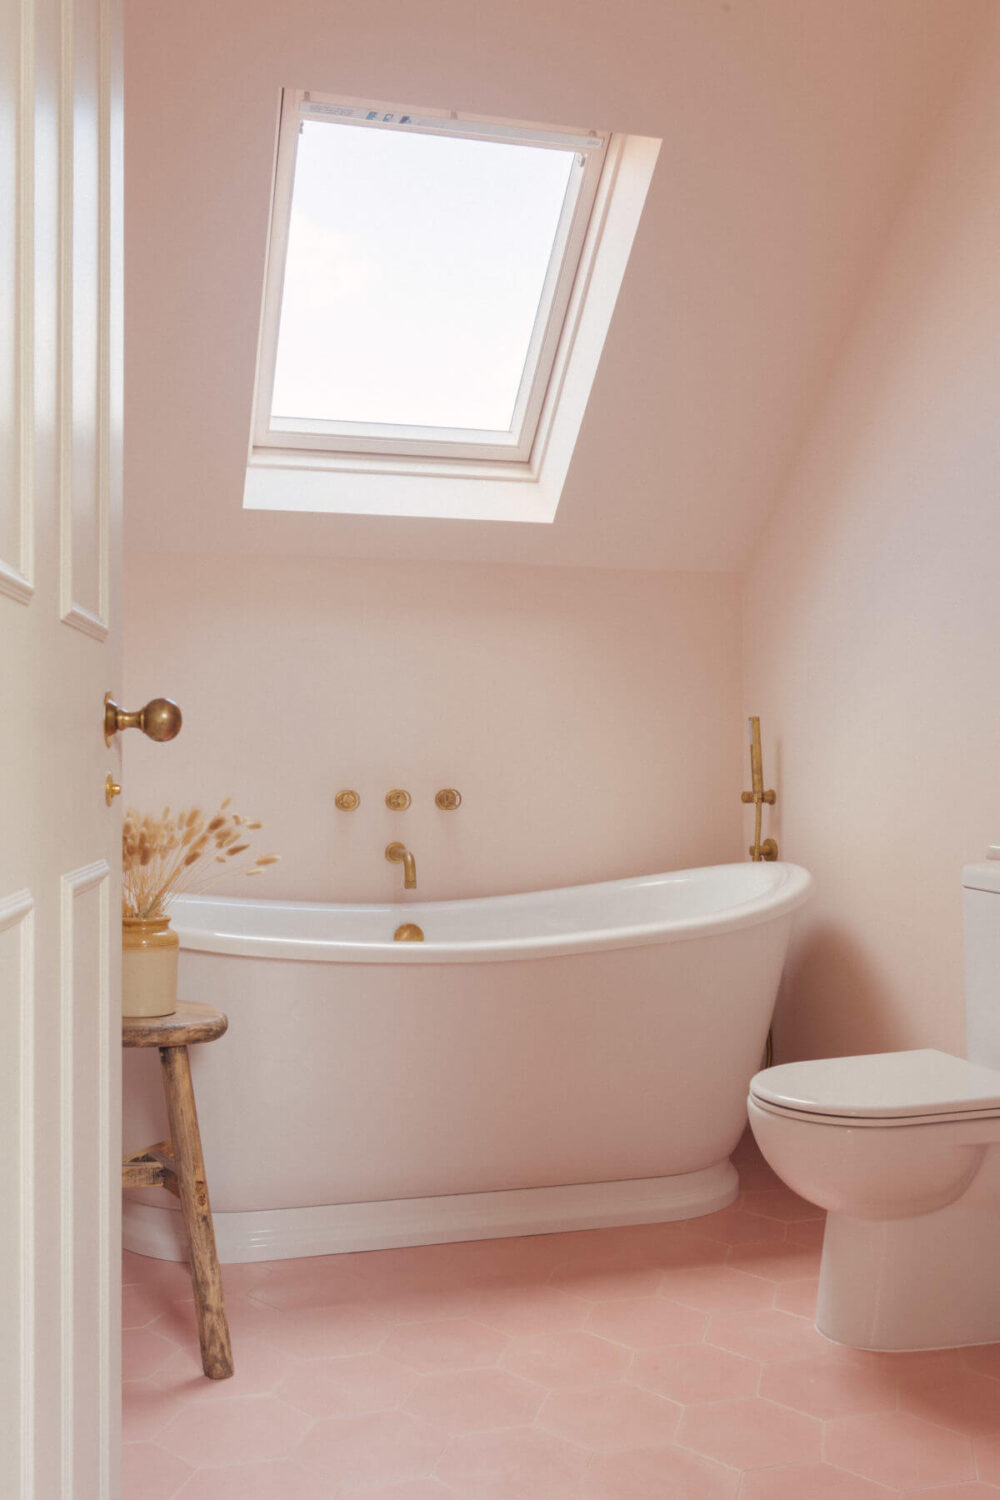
[[414, 272]]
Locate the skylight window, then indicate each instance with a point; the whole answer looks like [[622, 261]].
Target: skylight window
[[437, 293], [420, 272]]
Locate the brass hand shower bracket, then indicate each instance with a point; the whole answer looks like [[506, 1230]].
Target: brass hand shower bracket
[[766, 849]]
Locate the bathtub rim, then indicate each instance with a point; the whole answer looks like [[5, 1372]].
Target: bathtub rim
[[790, 889]]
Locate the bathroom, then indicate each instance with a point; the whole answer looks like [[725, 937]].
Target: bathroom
[[781, 501]]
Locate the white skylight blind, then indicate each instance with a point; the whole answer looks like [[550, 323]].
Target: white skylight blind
[[419, 272]]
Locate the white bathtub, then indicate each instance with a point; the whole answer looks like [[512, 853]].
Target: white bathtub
[[556, 1060]]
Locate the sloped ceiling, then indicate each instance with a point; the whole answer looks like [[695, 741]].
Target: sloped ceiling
[[791, 130]]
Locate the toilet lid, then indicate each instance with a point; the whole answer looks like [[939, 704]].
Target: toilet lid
[[881, 1085]]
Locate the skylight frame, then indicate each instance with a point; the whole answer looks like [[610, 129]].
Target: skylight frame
[[392, 441]]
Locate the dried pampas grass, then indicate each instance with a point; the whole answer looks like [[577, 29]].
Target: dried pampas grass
[[164, 856]]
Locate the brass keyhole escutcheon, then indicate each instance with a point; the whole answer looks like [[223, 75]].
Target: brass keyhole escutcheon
[[397, 800], [160, 719], [112, 789]]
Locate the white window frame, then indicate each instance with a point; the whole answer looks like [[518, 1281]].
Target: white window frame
[[394, 441]]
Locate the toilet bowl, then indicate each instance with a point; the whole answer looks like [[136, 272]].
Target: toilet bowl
[[901, 1149]]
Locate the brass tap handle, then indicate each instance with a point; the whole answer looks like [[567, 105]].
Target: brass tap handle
[[447, 799], [159, 720]]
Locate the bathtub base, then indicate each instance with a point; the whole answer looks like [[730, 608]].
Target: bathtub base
[[333, 1229]]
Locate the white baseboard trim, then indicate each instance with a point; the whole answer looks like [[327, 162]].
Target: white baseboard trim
[[336, 1228]]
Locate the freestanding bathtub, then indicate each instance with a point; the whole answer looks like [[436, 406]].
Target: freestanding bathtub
[[557, 1060]]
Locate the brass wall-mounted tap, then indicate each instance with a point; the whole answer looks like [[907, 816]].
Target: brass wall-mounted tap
[[768, 849], [398, 854]]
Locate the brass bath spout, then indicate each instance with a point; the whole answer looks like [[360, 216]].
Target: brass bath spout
[[398, 854]]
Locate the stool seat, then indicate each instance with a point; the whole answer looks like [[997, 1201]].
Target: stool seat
[[178, 1165], [189, 1023]]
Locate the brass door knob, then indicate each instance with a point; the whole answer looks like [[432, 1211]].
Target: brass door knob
[[159, 720]]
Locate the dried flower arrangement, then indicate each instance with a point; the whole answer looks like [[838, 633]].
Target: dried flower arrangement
[[161, 857]]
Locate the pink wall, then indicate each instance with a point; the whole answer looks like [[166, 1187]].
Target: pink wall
[[872, 620], [589, 718]]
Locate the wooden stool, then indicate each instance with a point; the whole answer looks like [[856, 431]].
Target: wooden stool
[[179, 1166]]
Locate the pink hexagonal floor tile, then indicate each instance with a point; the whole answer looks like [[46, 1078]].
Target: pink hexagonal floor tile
[[528, 1309], [144, 1351], [146, 1409], [826, 1388], [972, 1491], [410, 1489], [148, 1473], [696, 1373], [642, 1322], [475, 1400], [258, 1367], [750, 1434], [778, 1262], [279, 1480], [667, 1473], [312, 1282], [690, 1249], [312, 1332], [348, 1386], [379, 1448], [779, 1203], [617, 1416], [811, 1482], [808, 1235], [798, 1297], [565, 1359], [444, 1344], [987, 1451], [607, 1283], [736, 1225], [961, 1399], [520, 1463], [140, 1305], [715, 1288], [236, 1430], [983, 1358], [766, 1334], [898, 1449]]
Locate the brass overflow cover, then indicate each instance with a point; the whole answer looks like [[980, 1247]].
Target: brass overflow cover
[[347, 801], [397, 800], [447, 799], [408, 933]]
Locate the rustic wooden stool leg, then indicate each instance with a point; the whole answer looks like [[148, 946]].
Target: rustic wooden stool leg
[[213, 1330]]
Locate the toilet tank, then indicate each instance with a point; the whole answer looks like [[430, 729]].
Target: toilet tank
[[981, 916]]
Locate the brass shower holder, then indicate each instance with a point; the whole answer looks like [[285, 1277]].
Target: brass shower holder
[[766, 849]]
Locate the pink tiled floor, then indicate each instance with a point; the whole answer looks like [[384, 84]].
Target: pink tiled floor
[[665, 1362]]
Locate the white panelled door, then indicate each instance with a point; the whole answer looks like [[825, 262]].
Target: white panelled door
[[60, 501]]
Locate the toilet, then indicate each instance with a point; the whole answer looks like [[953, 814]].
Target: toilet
[[903, 1151]]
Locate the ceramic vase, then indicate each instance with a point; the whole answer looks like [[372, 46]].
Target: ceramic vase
[[149, 967]]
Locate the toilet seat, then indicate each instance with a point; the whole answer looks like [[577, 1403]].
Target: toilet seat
[[880, 1089]]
